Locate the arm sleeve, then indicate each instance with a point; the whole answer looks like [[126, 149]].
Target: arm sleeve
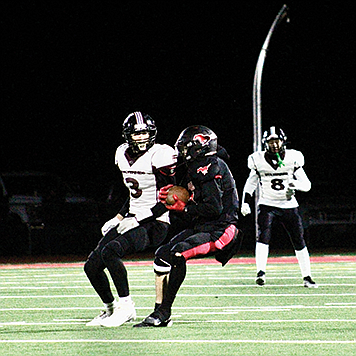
[[251, 182], [164, 164], [125, 208], [162, 179], [301, 181]]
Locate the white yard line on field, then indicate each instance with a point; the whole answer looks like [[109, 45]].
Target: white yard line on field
[[211, 310], [177, 321], [185, 341], [151, 286], [240, 295]]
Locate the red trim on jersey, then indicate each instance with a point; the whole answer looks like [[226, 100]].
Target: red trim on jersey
[[226, 237], [204, 249]]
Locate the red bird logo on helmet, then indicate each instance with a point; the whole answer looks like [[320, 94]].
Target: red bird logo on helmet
[[201, 138]]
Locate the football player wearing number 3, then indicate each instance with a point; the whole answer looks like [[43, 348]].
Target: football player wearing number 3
[[279, 173], [141, 223]]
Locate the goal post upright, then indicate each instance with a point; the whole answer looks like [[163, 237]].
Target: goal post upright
[[257, 102]]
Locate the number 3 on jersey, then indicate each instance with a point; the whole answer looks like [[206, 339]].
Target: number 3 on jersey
[[133, 185]]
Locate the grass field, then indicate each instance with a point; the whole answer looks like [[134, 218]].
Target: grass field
[[218, 311]]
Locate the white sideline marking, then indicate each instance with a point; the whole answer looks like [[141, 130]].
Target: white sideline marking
[[185, 341]]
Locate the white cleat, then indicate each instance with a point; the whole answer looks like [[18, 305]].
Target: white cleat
[[96, 321], [123, 313]]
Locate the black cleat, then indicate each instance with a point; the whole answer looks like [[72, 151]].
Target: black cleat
[[156, 320], [309, 283], [261, 278]]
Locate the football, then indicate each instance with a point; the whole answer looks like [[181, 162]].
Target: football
[[180, 192]]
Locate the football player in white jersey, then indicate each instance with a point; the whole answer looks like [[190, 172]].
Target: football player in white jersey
[[141, 223], [279, 173]]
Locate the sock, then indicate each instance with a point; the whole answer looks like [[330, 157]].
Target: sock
[[262, 251], [176, 278], [304, 261], [109, 307], [161, 283], [124, 300]]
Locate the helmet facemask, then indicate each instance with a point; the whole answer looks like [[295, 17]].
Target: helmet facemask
[[275, 145], [274, 140], [139, 131], [196, 141], [140, 142]]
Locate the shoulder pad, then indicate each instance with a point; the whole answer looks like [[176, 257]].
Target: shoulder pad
[[120, 151], [298, 158], [163, 156], [254, 158]]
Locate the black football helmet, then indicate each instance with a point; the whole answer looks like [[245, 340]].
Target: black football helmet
[[274, 133], [196, 141], [138, 123]]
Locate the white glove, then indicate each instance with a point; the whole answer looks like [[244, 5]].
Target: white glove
[[127, 224], [110, 225], [245, 209]]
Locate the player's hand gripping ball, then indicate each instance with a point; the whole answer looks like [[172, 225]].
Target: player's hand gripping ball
[[180, 192]]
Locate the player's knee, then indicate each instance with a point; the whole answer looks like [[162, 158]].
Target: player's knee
[[162, 262], [112, 251], [90, 265], [178, 260], [161, 267], [263, 239], [163, 253], [299, 245]]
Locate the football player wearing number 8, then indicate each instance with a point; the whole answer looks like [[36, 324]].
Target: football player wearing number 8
[[279, 173], [141, 223]]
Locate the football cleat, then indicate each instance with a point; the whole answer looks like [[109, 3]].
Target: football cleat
[[309, 283], [96, 321], [261, 278], [155, 319], [110, 307], [123, 313]]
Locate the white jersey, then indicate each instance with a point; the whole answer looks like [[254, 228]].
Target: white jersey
[[274, 180], [140, 179]]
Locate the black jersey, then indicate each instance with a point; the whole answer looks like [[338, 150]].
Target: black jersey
[[215, 201]]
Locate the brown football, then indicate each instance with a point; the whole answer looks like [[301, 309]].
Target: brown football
[[180, 192]]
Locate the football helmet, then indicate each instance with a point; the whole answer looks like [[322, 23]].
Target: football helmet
[[138, 123], [196, 141], [274, 133]]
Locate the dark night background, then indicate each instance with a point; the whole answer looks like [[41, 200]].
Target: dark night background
[[72, 72]]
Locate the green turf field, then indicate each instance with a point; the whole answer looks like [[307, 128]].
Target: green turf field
[[218, 311]]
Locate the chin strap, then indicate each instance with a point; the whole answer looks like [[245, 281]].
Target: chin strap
[[280, 161]]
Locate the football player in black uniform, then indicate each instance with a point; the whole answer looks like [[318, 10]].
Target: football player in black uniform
[[212, 211]]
